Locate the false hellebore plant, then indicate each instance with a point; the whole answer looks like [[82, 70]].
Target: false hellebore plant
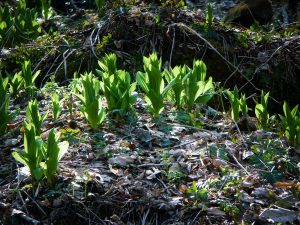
[[153, 85], [237, 104], [34, 116], [29, 78], [52, 154], [190, 85], [291, 124], [32, 155], [56, 106], [116, 86], [5, 116], [178, 74], [197, 89], [39, 158], [261, 112], [91, 100]]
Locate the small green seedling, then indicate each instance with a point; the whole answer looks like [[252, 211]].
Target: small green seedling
[[235, 103], [56, 106], [209, 14], [197, 194], [261, 112]]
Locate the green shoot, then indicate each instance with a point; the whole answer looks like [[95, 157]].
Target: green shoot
[[52, 155], [34, 116], [291, 124], [197, 194], [5, 116], [47, 11], [32, 155], [29, 78], [16, 84], [237, 104], [100, 7], [116, 86], [152, 83], [197, 89], [209, 14], [261, 112], [91, 102], [56, 106]]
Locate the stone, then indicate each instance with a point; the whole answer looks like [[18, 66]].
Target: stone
[[249, 11]]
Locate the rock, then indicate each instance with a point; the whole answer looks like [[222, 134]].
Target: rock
[[261, 192], [57, 202], [249, 11], [122, 161], [279, 215]]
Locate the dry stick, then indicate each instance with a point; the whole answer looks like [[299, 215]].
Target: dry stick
[[92, 42], [172, 48], [40, 208], [24, 216], [235, 159], [192, 31], [4, 205], [88, 210], [64, 58], [145, 215], [46, 76], [190, 127], [19, 193], [194, 220], [150, 164], [44, 57], [240, 133]]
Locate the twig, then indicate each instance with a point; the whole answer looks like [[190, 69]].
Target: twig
[[151, 164], [235, 159], [24, 216], [194, 220], [40, 208], [240, 133], [172, 48]]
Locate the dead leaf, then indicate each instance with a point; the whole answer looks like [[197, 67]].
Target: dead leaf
[[285, 185]]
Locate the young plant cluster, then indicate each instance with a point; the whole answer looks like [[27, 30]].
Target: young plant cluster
[[19, 26], [182, 85], [290, 121], [185, 86], [5, 116], [40, 158]]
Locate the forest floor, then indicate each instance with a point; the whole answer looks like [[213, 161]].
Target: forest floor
[[178, 170]]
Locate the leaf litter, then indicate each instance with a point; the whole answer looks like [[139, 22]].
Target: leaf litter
[[164, 172]]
